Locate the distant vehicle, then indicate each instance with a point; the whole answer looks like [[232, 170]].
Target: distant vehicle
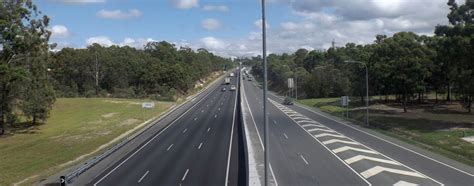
[[227, 80], [231, 74], [223, 89], [250, 79], [232, 87], [288, 101]]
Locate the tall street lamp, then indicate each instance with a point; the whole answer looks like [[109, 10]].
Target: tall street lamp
[[367, 88], [265, 116]]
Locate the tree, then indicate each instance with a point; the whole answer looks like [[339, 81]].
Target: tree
[[458, 45], [24, 38], [327, 81], [405, 61]]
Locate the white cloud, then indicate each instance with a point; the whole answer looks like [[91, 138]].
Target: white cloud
[[136, 43], [59, 31], [77, 1], [218, 8], [289, 26], [185, 4], [258, 23], [210, 24], [101, 40], [317, 23], [213, 43], [118, 14]]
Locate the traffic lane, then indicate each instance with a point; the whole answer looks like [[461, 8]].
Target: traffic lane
[[376, 168], [186, 168], [141, 160], [212, 154], [302, 159], [211, 161], [430, 168]]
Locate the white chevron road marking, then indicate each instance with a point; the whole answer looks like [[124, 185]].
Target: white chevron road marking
[[362, 157], [318, 129], [306, 121], [345, 148], [301, 117], [328, 134], [378, 169], [404, 183], [339, 141], [314, 125]]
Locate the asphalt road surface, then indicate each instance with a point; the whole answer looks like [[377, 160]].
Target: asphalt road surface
[[198, 148], [308, 148]]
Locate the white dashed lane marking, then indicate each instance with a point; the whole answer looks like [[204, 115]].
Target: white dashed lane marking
[[169, 147]]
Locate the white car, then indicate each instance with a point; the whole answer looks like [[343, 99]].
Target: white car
[[232, 87]]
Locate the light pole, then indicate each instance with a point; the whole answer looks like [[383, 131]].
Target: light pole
[[265, 117], [367, 88]]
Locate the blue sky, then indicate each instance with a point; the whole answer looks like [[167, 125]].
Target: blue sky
[[230, 27]]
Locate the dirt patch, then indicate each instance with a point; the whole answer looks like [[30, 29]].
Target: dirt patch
[[109, 115], [96, 122], [105, 132], [130, 121], [123, 102]]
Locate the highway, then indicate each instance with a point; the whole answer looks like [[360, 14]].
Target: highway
[[309, 148], [200, 147]]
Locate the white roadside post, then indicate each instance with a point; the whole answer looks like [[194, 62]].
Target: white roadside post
[[291, 85]]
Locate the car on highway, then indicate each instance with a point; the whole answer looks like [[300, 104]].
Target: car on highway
[[232, 87], [288, 101], [223, 89]]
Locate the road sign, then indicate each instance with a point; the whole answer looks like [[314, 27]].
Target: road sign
[[291, 83], [344, 100], [62, 180], [148, 105]]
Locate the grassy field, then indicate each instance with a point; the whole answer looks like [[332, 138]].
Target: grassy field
[[437, 128], [77, 126]]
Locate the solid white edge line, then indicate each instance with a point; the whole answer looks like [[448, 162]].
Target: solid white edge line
[[406, 166], [164, 129], [329, 150], [258, 132], [231, 137], [146, 173], [402, 147]]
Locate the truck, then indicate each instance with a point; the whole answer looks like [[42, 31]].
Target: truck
[[227, 80]]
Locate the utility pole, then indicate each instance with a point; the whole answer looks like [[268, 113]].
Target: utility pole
[[366, 88], [265, 116]]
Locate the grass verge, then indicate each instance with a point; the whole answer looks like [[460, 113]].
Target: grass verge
[[76, 126]]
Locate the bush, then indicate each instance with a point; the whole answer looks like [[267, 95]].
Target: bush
[[123, 93]]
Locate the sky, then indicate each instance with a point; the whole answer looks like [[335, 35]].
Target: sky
[[232, 28]]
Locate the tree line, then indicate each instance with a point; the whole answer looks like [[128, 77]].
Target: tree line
[[406, 65], [32, 75], [159, 71]]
